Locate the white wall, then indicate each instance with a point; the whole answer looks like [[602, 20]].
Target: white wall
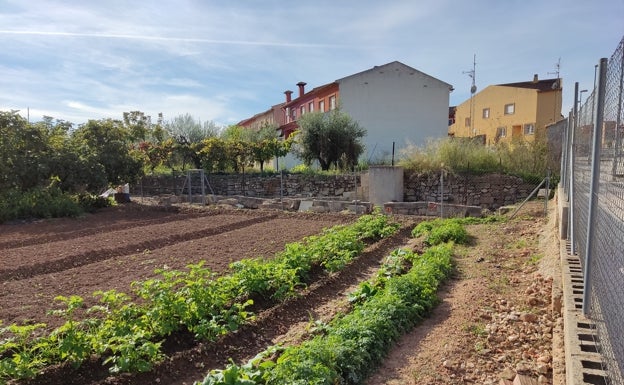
[[395, 102]]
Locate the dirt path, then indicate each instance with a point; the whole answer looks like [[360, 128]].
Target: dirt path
[[495, 319]]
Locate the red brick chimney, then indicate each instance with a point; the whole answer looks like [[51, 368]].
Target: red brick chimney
[[301, 86], [288, 95]]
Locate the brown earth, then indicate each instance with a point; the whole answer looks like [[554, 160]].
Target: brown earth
[[494, 319]]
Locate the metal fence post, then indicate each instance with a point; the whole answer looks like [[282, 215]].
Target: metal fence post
[[571, 160], [442, 193], [595, 180], [617, 150]]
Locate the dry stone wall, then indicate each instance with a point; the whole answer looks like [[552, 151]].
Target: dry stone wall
[[489, 191], [262, 186]]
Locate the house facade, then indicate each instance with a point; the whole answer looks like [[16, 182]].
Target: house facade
[[398, 106], [508, 112], [274, 116], [323, 99]]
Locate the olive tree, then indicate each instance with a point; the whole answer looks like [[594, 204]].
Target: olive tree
[[330, 138]]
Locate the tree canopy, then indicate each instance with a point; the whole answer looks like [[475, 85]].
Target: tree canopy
[[332, 139]]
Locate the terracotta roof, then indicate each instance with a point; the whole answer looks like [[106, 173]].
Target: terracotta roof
[[540, 85], [307, 94]]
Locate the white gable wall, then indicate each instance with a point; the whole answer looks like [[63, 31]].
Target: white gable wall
[[396, 103]]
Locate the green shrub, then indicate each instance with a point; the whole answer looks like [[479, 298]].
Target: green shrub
[[48, 202], [91, 202]]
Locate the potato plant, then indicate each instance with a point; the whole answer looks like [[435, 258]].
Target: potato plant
[[351, 346], [127, 335]]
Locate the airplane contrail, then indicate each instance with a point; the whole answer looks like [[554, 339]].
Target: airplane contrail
[[169, 39]]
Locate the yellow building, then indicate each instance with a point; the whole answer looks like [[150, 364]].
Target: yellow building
[[506, 112]]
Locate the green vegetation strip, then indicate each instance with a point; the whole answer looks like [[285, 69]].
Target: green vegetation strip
[[128, 336], [348, 349]]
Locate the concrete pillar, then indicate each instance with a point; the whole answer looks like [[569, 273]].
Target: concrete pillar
[[385, 184]]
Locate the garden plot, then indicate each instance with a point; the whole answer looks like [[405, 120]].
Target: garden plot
[[31, 298]]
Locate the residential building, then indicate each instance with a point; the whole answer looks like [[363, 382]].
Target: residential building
[[274, 116], [396, 104], [506, 112], [323, 98]]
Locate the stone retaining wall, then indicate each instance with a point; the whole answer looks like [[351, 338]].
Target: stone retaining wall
[[489, 191], [264, 186], [486, 191]]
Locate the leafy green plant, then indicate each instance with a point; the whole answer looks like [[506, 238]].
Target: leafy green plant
[[73, 338], [19, 353], [440, 231], [91, 202], [127, 336], [352, 345]]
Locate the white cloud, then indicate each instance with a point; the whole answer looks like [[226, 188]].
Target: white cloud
[[225, 61]]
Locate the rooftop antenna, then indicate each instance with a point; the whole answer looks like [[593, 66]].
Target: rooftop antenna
[[473, 89], [556, 85], [557, 70]]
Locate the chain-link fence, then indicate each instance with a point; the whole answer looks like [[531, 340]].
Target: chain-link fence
[[593, 178]]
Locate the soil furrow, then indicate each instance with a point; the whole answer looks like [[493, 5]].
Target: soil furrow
[[83, 259], [189, 361], [73, 234]]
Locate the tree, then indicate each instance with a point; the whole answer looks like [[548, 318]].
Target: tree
[[265, 145], [189, 133], [138, 125], [330, 138], [108, 143], [214, 154]]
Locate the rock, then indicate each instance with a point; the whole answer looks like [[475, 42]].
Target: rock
[[513, 338], [546, 358], [542, 368], [528, 317], [522, 367], [508, 374]]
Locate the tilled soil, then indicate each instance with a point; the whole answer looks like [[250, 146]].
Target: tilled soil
[[100, 256], [494, 320]]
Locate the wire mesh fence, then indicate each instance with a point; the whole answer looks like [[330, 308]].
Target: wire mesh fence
[[593, 175]]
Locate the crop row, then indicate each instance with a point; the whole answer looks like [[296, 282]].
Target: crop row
[[128, 335], [347, 349]]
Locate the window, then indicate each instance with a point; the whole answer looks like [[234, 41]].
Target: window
[[467, 122], [510, 108], [332, 102], [529, 129], [501, 132], [311, 107], [322, 105], [486, 113], [302, 109]]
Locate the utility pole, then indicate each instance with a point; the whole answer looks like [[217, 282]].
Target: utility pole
[[472, 73]]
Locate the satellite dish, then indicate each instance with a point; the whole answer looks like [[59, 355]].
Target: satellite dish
[[473, 89], [555, 85]]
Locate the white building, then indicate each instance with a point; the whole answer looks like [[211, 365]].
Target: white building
[[397, 104]]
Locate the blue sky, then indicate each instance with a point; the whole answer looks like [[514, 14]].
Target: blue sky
[[227, 60]]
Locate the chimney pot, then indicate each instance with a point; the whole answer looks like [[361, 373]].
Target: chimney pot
[[301, 86], [288, 95], [535, 79]]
